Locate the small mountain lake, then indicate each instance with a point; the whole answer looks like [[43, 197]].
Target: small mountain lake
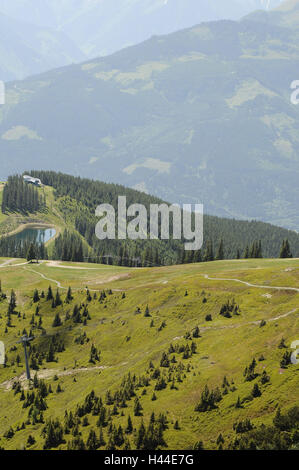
[[38, 235]]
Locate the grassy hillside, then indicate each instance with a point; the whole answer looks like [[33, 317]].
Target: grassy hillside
[[207, 108], [178, 298]]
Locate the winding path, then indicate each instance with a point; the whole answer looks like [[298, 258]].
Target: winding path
[[115, 278], [251, 285], [48, 279], [255, 322], [60, 286], [51, 372], [8, 265]]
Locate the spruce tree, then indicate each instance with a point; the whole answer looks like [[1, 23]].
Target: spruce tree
[[57, 321], [12, 302], [50, 294], [69, 296], [137, 408], [36, 297], [285, 251], [129, 428], [220, 252], [58, 300], [31, 254]]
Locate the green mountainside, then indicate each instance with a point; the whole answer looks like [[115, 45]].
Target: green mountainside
[[202, 115]]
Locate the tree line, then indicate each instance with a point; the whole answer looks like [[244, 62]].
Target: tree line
[[11, 247]]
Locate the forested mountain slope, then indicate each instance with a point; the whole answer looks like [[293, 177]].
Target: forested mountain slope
[[68, 203]]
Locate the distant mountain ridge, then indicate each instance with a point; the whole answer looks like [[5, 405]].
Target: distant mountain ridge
[[126, 22], [45, 34], [27, 49]]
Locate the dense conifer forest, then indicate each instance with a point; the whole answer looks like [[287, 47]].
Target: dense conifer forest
[[12, 248], [21, 197]]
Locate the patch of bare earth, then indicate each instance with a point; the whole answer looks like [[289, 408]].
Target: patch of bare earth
[[47, 374]]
